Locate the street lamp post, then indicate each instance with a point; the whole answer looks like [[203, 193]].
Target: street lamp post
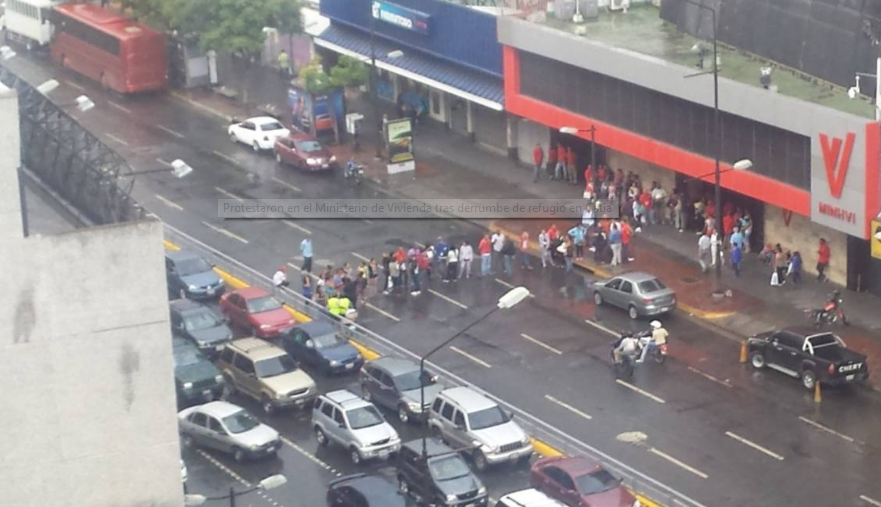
[[271, 482], [593, 151], [508, 300], [373, 90]]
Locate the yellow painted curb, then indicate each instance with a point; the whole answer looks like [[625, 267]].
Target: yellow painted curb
[[369, 354], [300, 316], [544, 449], [645, 502], [230, 280], [170, 246], [705, 314]]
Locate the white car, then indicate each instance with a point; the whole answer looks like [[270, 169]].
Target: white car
[[259, 133]]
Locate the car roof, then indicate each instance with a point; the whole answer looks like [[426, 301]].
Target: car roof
[[317, 328], [805, 331], [181, 255], [346, 399], [185, 305], [434, 446], [377, 488], [530, 498], [636, 276], [251, 292], [468, 399], [178, 343], [259, 120], [298, 135], [395, 366], [256, 349], [219, 409], [575, 465]]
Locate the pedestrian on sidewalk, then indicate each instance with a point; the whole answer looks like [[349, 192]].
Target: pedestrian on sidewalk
[[645, 201], [588, 179], [551, 166], [430, 254], [524, 251], [578, 234], [394, 285], [507, 253], [780, 263], [746, 226], [728, 224], [284, 63], [386, 272], [794, 271], [626, 245], [601, 251], [659, 200], [823, 255], [415, 275], [679, 219], [553, 233], [572, 166], [373, 276], [466, 257], [562, 157], [440, 251], [484, 248], [736, 237], [736, 258], [704, 251], [615, 243], [306, 286], [280, 278], [717, 249], [306, 252], [350, 291], [569, 249], [544, 245], [499, 241], [452, 265], [538, 156]]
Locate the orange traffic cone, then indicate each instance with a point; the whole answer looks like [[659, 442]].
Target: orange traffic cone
[[743, 351], [817, 396]]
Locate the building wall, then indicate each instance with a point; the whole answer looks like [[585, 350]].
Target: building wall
[[803, 236], [490, 129], [10, 210], [529, 133], [647, 171]]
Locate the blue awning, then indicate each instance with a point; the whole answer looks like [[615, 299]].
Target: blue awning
[[469, 84]]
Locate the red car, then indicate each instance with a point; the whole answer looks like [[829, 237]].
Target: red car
[[304, 152], [579, 482], [255, 311]]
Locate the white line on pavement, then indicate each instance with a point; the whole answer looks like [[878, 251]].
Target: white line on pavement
[[826, 429], [600, 327], [675, 461], [225, 157], [542, 344], [164, 162], [632, 387], [511, 286], [286, 184], [201, 106], [382, 312], [568, 407], [211, 459], [448, 299], [74, 85], [175, 134], [709, 377], [871, 501], [754, 445], [361, 257], [225, 232], [169, 203], [481, 362], [294, 225], [302, 451], [117, 106], [228, 194], [118, 140], [366, 221]]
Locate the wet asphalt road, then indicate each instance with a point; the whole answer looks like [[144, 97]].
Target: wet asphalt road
[[716, 431]]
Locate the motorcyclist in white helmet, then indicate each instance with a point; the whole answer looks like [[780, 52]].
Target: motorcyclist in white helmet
[[658, 340]]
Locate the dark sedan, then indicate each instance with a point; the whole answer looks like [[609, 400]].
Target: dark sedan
[[191, 276], [196, 380], [319, 345], [200, 325]]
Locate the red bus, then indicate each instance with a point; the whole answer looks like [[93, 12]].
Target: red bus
[[121, 54]]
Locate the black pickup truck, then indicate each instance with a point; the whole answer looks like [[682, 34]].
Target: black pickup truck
[[809, 355]]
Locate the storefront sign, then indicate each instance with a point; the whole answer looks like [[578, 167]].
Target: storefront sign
[[399, 143], [401, 17], [875, 238], [838, 181]]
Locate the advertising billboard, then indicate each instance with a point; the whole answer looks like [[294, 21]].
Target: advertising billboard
[[399, 145]]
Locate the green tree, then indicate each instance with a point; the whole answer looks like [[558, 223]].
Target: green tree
[[314, 79], [349, 72]]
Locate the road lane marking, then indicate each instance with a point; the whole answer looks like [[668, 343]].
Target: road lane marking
[[826, 429], [164, 162], [448, 299], [118, 140], [226, 157], [481, 362], [600, 327], [225, 232], [169, 202], [675, 461], [382, 312], [568, 407], [542, 344], [286, 184], [211, 459], [754, 446], [709, 377], [175, 134], [511, 286], [117, 106], [290, 223], [74, 85], [368, 222], [228, 194], [304, 452], [632, 387], [871, 501], [361, 257]]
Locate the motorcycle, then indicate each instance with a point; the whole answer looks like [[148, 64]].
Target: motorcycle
[[832, 311], [354, 172], [626, 366]]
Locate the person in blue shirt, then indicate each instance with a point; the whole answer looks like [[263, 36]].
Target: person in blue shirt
[[795, 267], [578, 234], [736, 258], [615, 244], [306, 252]]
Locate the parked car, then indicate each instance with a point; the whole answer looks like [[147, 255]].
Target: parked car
[[641, 294], [190, 276], [320, 345], [196, 380], [395, 383], [443, 479], [262, 371], [809, 355], [228, 428], [200, 325], [355, 425], [304, 152], [468, 419], [531, 498], [362, 490], [578, 481], [256, 312], [259, 133]]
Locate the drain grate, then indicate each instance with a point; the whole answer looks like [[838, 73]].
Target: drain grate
[[689, 280]]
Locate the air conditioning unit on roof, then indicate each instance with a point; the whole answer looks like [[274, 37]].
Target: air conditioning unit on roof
[[619, 5]]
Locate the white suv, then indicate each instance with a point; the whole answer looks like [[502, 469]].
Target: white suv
[[354, 424], [467, 419]]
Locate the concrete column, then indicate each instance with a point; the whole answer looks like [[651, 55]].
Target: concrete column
[[448, 110], [511, 131], [469, 120]]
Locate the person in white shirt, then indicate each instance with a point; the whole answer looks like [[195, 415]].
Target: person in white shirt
[[280, 278], [704, 251], [544, 245], [452, 265], [466, 255], [629, 346], [498, 241]]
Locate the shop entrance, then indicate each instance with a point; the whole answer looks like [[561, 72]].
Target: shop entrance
[[582, 149], [702, 189]]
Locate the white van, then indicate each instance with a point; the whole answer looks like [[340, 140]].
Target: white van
[[29, 21]]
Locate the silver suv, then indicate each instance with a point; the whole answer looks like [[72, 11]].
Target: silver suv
[[467, 419], [354, 424]]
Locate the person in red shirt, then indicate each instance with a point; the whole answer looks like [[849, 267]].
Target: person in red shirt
[[552, 161], [645, 198], [626, 233], [588, 175], [727, 225], [538, 156], [553, 233], [823, 255], [572, 163], [602, 174], [400, 255], [485, 249]]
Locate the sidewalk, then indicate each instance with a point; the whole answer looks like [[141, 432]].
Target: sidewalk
[[448, 165]]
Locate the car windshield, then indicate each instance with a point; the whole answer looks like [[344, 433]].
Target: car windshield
[[201, 320], [448, 467], [192, 266], [186, 357], [596, 482], [274, 366], [649, 286], [240, 422], [273, 125], [364, 417], [487, 418], [327, 341], [263, 304], [410, 381], [308, 146], [822, 340]]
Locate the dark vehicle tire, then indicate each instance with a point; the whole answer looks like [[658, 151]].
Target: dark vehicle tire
[[524, 460], [229, 389], [757, 359], [278, 159], [255, 147], [365, 393], [844, 321], [355, 456], [266, 404], [403, 413], [182, 294], [188, 441], [233, 138], [480, 462], [403, 486], [597, 298], [238, 455], [632, 312], [320, 437], [659, 356], [809, 379]]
